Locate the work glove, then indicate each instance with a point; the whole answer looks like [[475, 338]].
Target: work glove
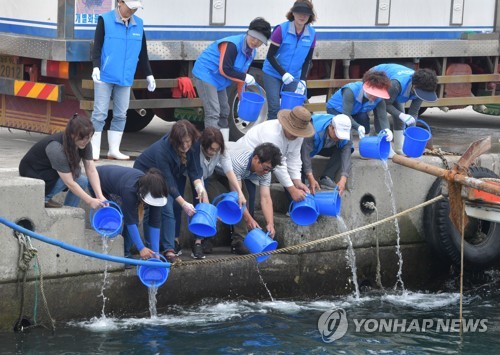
[[407, 119], [188, 208], [151, 83], [388, 134], [301, 87], [361, 132], [96, 75], [249, 80], [287, 78]]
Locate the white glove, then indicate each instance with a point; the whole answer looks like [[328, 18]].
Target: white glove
[[287, 78], [301, 87], [200, 190], [407, 119], [96, 75], [188, 208], [249, 80], [151, 83], [361, 132], [388, 134]]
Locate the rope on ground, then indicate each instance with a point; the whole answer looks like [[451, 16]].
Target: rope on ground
[[179, 263]]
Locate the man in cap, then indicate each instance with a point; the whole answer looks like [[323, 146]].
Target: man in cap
[[287, 132], [358, 98], [332, 139], [407, 84], [115, 55]]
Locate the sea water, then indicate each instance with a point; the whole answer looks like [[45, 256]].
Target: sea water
[[286, 326]]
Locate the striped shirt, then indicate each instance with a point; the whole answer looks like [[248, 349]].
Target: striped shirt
[[242, 161]]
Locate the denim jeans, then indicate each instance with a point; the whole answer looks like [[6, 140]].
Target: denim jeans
[[272, 86], [121, 98], [71, 199], [361, 118], [215, 104]]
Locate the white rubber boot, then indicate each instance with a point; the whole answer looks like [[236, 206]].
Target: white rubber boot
[[114, 140], [96, 145], [225, 134], [399, 140]]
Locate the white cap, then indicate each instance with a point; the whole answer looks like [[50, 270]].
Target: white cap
[[342, 126], [133, 4], [154, 201]]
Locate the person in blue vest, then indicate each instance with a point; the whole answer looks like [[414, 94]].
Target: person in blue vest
[[407, 85], [135, 190], [226, 61], [119, 44], [290, 54], [358, 98], [332, 138]]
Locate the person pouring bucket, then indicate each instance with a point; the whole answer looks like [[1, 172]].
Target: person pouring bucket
[[226, 61], [135, 191]]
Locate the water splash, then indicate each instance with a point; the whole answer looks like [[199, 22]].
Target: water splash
[[390, 187], [350, 256], [152, 291], [105, 248], [264, 283]]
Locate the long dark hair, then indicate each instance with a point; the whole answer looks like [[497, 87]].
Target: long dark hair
[[180, 130], [211, 135], [78, 127]]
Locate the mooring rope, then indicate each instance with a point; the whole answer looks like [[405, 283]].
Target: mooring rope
[[179, 262]]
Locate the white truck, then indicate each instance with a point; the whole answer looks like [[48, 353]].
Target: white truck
[[45, 52]]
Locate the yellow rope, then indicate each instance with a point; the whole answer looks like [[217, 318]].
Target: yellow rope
[[179, 262]]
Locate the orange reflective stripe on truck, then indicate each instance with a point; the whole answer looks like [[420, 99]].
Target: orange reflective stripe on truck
[[41, 91]]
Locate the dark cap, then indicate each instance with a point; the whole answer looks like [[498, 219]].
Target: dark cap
[[302, 8]]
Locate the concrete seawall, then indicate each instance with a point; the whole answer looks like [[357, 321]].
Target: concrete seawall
[[73, 282]]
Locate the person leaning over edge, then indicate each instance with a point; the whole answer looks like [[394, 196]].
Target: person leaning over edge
[[358, 98], [134, 191], [332, 138], [226, 61], [253, 167], [407, 84], [56, 160], [287, 132], [119, 44], [290, 55]]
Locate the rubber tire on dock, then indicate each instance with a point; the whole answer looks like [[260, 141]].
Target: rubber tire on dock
[[479, 253]]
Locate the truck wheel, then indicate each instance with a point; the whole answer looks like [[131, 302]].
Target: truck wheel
[[482, 238], [237, 126], [135, 122]]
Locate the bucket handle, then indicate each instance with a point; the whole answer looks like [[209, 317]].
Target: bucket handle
[[305, 87], [256, 84], [425, 124], [206, 214], [113, 203], [216, 198]]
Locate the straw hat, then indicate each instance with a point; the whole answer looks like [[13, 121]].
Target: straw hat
[[297, 121]]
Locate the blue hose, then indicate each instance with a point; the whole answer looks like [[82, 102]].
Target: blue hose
[[82, 251]]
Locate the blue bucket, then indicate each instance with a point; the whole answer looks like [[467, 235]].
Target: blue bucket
[[328, 203], [152, 276], [228, 209], [290, 99], [250, 105], [304, 213], [257, 242], [204, 222], [376, 147], [107, 221], [416, 139]]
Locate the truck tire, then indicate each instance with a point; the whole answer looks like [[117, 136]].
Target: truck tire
[[482, 238]]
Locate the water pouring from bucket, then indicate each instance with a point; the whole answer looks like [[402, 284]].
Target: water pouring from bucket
[[290, 99], [107, 221], [228, 209], [204, 222], [152, 276], [305, 212], [257, 242], [416, 139], [251, 104], [375, 147]]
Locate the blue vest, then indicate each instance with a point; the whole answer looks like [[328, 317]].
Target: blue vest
[[403, 75], [206, 67], [120, 50], [336, 101], [291, 54], [320, 123]]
